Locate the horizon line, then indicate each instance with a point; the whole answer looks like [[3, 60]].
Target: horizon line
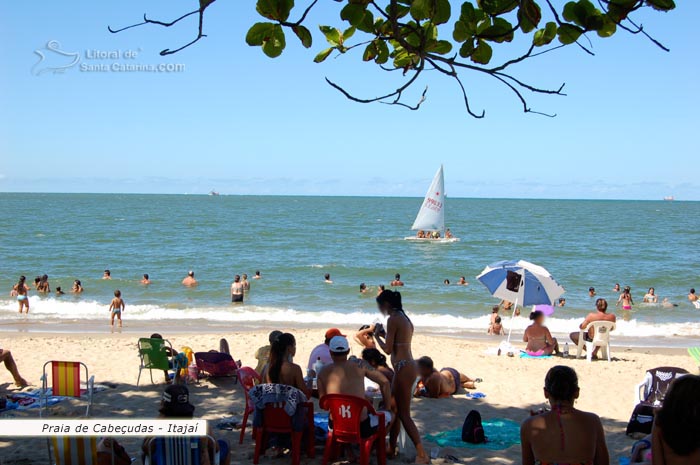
[[344, 196]]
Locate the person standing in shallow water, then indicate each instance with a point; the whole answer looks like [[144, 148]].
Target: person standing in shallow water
[[237, 290], [397, 343], [21, 291]]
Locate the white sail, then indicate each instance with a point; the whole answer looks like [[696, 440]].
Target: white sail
[[431, 216]]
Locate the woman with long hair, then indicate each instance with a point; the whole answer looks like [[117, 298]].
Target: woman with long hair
[[21, 290], [281, 368], [563, 434], [396, 342]]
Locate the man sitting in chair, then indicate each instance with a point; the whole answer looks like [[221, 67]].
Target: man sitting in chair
[[347, 376], [599, 315]]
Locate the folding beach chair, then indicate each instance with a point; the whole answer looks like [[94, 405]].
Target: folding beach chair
[[81, 450], [154, 355], [248, 378], [65, 381], [179, 450], [216, 364]]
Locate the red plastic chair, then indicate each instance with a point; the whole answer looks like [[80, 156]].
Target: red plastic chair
[[248, 378], [276, 420], [345, 413]]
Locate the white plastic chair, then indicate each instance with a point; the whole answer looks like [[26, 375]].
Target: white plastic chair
[[601, 338]]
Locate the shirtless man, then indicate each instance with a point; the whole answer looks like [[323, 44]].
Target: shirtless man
[[257, 275], [189, 280], [146, 280], [347, 377], [327, 278], [237, 290], [599, 315], [439, 384], [397, 281], [591, 292], [691, 296], [107, 275], [462, 282]]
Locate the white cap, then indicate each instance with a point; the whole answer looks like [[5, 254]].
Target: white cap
[[339, 345]]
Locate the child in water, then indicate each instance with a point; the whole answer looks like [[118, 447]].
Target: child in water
[[116, 308], [496, 329]]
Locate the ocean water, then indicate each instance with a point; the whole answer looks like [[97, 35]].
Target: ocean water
[[294, 241]]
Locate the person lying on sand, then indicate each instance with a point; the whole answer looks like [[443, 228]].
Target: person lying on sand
[[564, 434], [175, 404], [365, 337], [439, 384], [9, 361], [539, 339]]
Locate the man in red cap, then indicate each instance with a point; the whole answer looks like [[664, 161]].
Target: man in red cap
[[321, 351]]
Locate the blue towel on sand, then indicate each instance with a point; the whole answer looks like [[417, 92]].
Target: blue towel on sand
[[501, 434], [526, 355], [475, 395]]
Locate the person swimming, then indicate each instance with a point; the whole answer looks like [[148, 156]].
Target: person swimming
[[650, 297], [625, 299]]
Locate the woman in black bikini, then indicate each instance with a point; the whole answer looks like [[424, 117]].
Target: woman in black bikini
[[397, 343]]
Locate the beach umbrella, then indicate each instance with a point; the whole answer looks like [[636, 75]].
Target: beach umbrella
[[520, 282], [548, 310]]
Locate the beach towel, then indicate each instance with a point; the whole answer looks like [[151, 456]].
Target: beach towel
[[524, 354], [475, 395], [30, 399], [695, 353], [502, 434]]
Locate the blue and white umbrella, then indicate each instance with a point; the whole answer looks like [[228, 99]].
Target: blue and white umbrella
[[520, 282]]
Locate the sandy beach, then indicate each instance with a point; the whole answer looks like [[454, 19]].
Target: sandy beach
[[512, 386]]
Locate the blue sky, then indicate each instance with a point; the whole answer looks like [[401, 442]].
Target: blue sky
[[242, 123]]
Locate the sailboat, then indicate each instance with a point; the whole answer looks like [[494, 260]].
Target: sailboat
[[431, 216]]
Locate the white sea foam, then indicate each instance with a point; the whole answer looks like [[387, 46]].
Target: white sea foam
[[48, 309]]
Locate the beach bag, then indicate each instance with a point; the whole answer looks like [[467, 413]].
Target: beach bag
[[473, 430], [641, 421], [513, 281]]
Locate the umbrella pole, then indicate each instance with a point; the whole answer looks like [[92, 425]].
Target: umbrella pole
[[512, 317]]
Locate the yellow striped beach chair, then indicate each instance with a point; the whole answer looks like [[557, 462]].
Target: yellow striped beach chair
[[73, 450], [65, 382]]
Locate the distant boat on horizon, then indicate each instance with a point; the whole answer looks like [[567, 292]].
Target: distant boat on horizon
[[213, 192], [431, 216], [669, 198]]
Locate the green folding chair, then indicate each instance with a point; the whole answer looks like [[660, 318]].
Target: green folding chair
[[695, 353], [154, 355]]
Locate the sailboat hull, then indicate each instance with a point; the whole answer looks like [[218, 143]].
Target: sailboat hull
[[442, 240]]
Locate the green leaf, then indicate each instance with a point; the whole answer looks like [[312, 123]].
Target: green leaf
[[497, 7], [466, 49], [274, 45], [275, 9], [441, 47], [258, 33], [353, 13], [529, 15], [370, 52], [347, 33], [460, 33], [383, 52], [303, 34], [323, 55], [568, 33], [443, 12], [608, 28], [332, 35], [482, 54], [500, 31], [546, 35], [662, 5], [421, 9]]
